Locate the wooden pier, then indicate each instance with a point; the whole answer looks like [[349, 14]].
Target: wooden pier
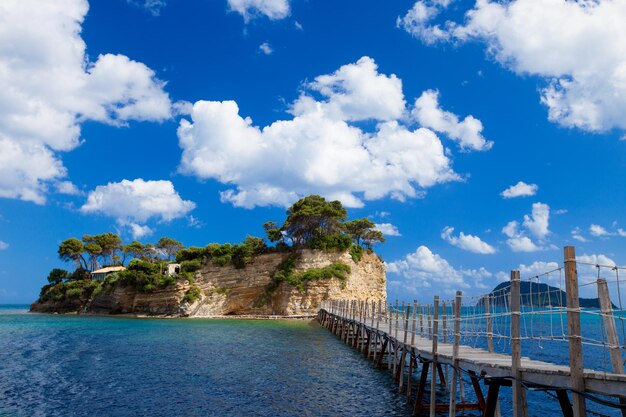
[[394, 338]]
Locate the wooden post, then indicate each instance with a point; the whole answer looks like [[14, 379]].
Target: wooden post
[[489, 324], [403, 355], [408, 381], [577, 381], [389, 336], [456, 307], [422, 321], [516, 346], [446, 380], [397, 344], [433, 373], [611, 332], [430, 324]]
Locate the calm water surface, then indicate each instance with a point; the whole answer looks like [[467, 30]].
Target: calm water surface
[[102, 366], [113, 366]]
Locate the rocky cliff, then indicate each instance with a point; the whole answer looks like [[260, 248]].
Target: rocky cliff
[[226, 290]]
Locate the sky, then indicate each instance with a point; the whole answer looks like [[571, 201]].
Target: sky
[[479, 136]]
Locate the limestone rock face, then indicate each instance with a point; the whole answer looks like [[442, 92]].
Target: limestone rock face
[[226, 290]]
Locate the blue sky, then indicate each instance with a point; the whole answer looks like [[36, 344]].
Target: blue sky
[[202, 119]]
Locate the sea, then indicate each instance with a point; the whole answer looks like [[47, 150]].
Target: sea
[[71, 365]]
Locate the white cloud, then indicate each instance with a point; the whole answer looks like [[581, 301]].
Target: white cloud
[[138, 231], [418, 19], [583, 67], [151, 6], [319, 150], [425, 273], [467, 133], [537, 268], [387, 229], [356, 92], [467, 242], [67, 187], [3, 245], [522, 244], [621, 232], [135, 202], [48, 87], [577, 235], [536, 223], [266, 48], [598, 231], [521, 189], [249, 9], [423, 268]]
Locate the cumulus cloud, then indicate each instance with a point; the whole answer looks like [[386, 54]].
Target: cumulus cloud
[[133, 203], [469, 243], [356, 92], [424, 269], [249, 9], [577, 235], [387, 229], [138, 231], [521, 189], [536, 224], [583, 67], [467, 132], [48, 87], [320, 149], [3, 245], [266, 48], [598, 231]]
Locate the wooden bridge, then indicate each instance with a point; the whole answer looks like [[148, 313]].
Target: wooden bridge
[[394, 338]]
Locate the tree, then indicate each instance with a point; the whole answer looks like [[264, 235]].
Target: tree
[[357, 229], [134, 250], [72, 250], [57, 276], [169, 247], [371, 237], [104, 246], [273, 232], [93, 250], [313, 217]]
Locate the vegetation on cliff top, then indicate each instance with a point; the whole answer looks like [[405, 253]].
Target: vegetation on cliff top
[[311, 223]]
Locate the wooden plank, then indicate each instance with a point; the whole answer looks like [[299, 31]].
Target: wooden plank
[[577, 381]]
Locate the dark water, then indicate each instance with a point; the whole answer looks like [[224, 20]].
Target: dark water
[[113, 366], [101, 366]]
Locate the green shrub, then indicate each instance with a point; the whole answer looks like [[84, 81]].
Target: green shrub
[[224, 291], [356, 251], [190, 254], [148, 288], [74, 293], [166, 281], [338, 242], [191, 265], [194, 293], [139, 265]]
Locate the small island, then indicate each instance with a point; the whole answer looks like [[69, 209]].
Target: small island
[[315, 255]]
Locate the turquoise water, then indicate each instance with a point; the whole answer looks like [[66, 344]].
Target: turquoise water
[[113, 366]]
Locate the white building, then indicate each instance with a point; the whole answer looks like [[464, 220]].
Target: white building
[[173, 269], [100, 274]]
